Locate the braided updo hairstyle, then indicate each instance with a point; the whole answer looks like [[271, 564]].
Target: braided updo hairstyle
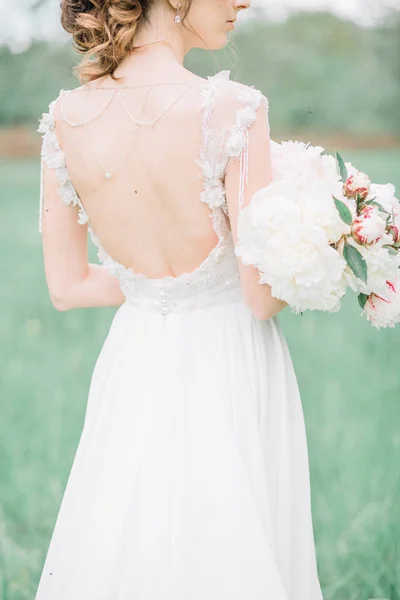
[[103, 31]]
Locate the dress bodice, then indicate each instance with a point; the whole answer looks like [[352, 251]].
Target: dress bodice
[[217, 279]]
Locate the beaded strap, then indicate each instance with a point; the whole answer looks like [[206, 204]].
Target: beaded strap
[[237, 145], [210, 162]]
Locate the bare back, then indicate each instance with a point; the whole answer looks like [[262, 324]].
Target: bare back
[[146, 168], [140, 183]]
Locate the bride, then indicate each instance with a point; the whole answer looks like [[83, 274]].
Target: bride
[[191, 476]]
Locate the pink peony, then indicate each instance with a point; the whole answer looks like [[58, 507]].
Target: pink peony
[[393, 230], [358, 184], [369, 227], [384, 312]]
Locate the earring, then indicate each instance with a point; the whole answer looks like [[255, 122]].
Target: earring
[[178, 18]]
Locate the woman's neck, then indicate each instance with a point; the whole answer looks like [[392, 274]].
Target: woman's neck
[[161, 33], [151, 62]]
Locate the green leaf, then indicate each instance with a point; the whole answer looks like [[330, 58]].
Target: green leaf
[[356, 262], [344, 211], [342, 167], [380, 207], [392, 251], [362, 300], [364, 204]]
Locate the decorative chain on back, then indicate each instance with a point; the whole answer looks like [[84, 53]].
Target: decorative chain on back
[[116, 92]]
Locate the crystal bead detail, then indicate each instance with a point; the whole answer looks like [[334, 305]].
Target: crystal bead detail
[[178, 19], [108, 175]]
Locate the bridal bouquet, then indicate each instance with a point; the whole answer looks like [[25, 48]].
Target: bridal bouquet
[[320, 228]]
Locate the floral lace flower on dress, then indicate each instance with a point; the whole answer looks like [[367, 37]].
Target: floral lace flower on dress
[[237, 145], [54, 157]]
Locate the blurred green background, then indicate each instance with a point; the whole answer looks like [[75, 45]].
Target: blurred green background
[[328, 81]]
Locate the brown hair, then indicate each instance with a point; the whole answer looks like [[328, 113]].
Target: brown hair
[[103, 31]]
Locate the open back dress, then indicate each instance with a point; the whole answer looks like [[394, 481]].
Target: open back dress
[[191, 477]]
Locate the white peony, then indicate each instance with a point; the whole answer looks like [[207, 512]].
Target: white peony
[[386, 196], [308, 274], [382, 267], [319, 209], [357, 182], [316, 177], [384, 310], [272, 211], [329, 168], [303, 164], [350, 280], [293, 234], [292, 255]]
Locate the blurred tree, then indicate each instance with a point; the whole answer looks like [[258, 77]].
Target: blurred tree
[[321, 74], [389, 50], [42, 71]]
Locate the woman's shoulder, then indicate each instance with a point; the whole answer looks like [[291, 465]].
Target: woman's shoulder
[[48, 118], [220, 89], [236, 94], [237, 105]]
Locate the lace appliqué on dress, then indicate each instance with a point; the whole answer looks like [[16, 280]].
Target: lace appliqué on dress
[[54, 157], [212, 162], [237, 145]]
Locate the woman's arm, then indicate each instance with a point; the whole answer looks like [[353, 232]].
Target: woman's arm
[[72, 281], [257, 296], [97, 288]]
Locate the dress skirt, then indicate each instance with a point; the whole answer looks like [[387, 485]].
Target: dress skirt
[[191, 477]]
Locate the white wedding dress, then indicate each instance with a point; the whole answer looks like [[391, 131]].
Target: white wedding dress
[[191, 477]]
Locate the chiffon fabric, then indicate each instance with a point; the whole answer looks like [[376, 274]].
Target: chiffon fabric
[[191, 477]]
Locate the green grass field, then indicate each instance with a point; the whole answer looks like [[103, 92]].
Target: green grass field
[[348, 374]]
